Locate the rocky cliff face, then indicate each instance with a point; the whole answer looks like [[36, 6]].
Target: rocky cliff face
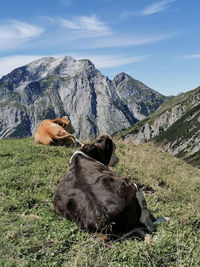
[[51, 87], [139, 98], [175, 125]]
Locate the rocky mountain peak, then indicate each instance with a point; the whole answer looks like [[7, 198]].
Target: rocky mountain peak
[[51, 87], [121, 77], [139, 98], [41, 68], [63, 66]]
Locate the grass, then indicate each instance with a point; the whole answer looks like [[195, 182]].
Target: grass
[[32, 234]]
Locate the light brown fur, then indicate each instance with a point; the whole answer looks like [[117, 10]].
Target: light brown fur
[[55, 132]]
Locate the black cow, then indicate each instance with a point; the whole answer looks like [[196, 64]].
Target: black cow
[[94, 197]]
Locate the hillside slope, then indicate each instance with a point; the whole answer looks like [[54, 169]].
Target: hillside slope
[[33, 235], [175, 126], [51, 87]]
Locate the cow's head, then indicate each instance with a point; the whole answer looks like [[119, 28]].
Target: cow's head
[[103, 150], [66, 124]]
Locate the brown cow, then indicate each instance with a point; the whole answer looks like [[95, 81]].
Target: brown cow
[[55, 132]]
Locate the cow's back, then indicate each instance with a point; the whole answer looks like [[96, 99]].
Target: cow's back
[[48, 131], [42, 135], [93, 196]]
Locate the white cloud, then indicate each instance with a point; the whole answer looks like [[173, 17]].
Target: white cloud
[[15, 33], [9, 63], [90, 33], [69, 24], [93, 24], [124, 41], [192, 56], [156, 7], [110, 61], [85, 26]]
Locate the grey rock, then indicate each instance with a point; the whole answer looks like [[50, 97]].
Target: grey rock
[[139, 98], [175, 125], [54, 87]]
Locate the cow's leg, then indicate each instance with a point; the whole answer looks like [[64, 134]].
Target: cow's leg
[[68, 140], [47, 141], [64, 140]]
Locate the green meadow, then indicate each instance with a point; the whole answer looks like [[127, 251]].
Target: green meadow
[[31, 234]]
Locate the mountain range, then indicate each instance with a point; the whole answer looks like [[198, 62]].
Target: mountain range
[[175, 126], [54, 87], [124, 107]]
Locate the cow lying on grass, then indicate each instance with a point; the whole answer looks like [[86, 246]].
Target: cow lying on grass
[[95, 198], [56, 132]]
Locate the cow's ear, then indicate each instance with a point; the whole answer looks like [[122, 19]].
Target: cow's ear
[[105, 149], [108, 144], [105, 143]]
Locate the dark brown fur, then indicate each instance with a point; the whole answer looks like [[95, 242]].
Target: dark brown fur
[[93, 196]]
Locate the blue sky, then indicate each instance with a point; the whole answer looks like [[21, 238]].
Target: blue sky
[[156, 42]]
